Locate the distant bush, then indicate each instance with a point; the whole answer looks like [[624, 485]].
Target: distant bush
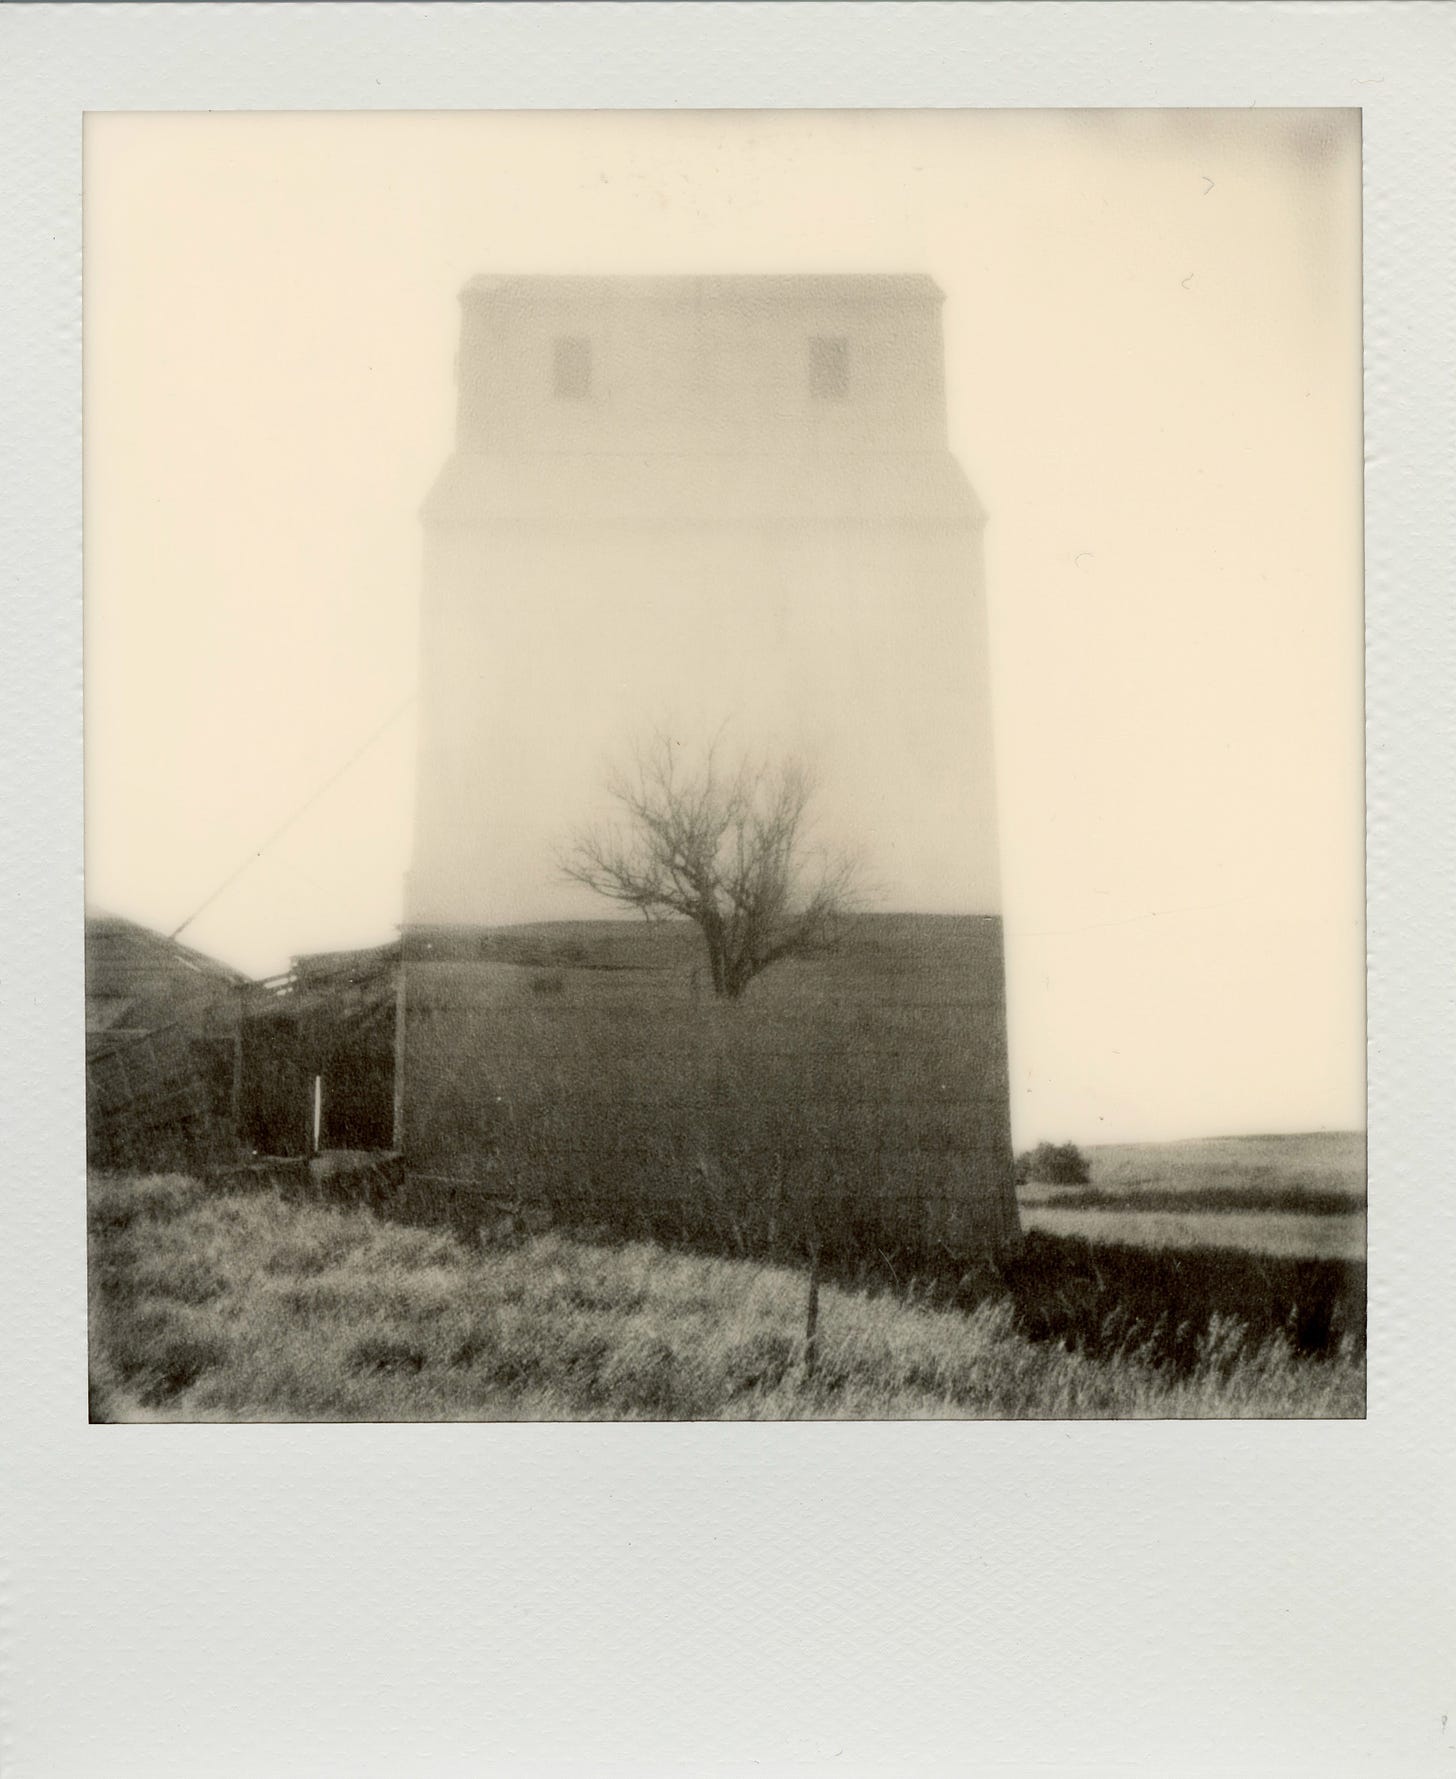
[[1053, 1164]]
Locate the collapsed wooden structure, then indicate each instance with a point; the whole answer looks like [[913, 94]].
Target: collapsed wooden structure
[[190, 1062], [163, 1025]]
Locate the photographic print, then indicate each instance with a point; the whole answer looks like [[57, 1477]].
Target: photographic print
[[724, 766]]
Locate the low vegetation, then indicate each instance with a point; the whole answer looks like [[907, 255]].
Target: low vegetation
[[1307, 1170], [248, 1306], [1053, 1164], [1296, 1195]]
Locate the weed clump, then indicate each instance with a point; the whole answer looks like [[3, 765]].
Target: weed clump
[[645, 1377], [178, 1276], [162, 1350], [116, 1201], [387, 1352], [760, 1362]]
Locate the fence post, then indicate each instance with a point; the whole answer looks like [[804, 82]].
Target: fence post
[[811, 1317], [397, 1136], [237, 1083]]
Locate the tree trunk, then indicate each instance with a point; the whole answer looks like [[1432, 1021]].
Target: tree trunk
[[710, 925]]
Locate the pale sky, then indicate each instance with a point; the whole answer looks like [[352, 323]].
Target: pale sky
[[1153, 352]]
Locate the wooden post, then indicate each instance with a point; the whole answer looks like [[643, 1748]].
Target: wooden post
[[399, 1030], [318, 1111], [811, 1318], [238, 1069]]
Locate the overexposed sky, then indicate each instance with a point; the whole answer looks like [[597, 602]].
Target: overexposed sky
[[1153, 351]]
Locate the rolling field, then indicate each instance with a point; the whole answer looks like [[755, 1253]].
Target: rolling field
[[1299, 1195], [245, 1306], [1321, 1237]]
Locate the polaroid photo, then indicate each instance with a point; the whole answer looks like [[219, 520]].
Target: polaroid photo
[[719, 739], [695, 818]]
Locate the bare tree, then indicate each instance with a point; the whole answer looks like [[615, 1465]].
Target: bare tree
[[726, 847]]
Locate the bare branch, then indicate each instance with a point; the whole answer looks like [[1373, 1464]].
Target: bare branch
[[723, 847]]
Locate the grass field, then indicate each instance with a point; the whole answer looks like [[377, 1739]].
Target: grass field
[[1290, 1195], [1316, 1236], [246, 1306]]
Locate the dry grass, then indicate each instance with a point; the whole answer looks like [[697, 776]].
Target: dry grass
[[1291, 1172], [1334, 1236], [1289, 1195], [248, 1307]]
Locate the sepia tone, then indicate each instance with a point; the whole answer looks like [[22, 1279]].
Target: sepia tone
[[674, 487], [705, 632], [736, 471]]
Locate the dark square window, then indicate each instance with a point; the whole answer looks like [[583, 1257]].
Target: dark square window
[[829, 367], [571, 367]]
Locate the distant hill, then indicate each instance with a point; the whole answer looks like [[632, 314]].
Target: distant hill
[[1313, 1161], [874, 947]]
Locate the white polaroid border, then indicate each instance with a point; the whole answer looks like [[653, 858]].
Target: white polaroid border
[[1252, 1598]]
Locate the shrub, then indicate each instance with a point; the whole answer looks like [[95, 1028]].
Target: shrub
[[1053, 1164]]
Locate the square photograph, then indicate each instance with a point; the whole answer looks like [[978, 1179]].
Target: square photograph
[[724, 766]]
